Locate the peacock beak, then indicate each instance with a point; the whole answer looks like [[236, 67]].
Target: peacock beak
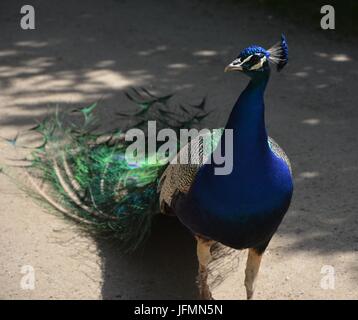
[[234, 66]]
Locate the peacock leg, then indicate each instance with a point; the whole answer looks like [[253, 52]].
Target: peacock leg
[[204, 257], [252, 269]]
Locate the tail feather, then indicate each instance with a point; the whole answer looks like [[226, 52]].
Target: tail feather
[[88, 178], [53, 203]]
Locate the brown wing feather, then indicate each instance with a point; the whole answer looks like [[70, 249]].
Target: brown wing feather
[[277, 150], [179, 177]]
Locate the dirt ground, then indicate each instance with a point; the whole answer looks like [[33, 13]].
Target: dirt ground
[[82, 51]]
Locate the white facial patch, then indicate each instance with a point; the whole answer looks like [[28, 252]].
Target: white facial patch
[[238, 63], [259, 64], [246, 59]]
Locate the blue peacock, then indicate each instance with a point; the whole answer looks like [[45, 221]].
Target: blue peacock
[[88, 178]]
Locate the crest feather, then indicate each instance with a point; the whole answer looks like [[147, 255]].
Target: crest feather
[[279, 53]]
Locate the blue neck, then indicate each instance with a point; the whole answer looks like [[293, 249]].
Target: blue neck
[[247, 119], [244, 208]]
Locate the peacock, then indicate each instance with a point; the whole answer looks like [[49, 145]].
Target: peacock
[[84, 173], [243, 209]]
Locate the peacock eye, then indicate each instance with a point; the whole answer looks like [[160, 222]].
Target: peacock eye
[[254, 59]]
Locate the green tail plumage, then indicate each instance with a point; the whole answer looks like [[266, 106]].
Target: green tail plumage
[[89, 177]]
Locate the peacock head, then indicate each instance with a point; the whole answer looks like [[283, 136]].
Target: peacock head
[[255, 60]]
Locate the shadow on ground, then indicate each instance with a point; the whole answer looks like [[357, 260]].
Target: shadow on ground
[[169, 257]]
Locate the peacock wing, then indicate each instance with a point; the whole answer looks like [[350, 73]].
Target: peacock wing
[[278, 151], [180, 173]]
